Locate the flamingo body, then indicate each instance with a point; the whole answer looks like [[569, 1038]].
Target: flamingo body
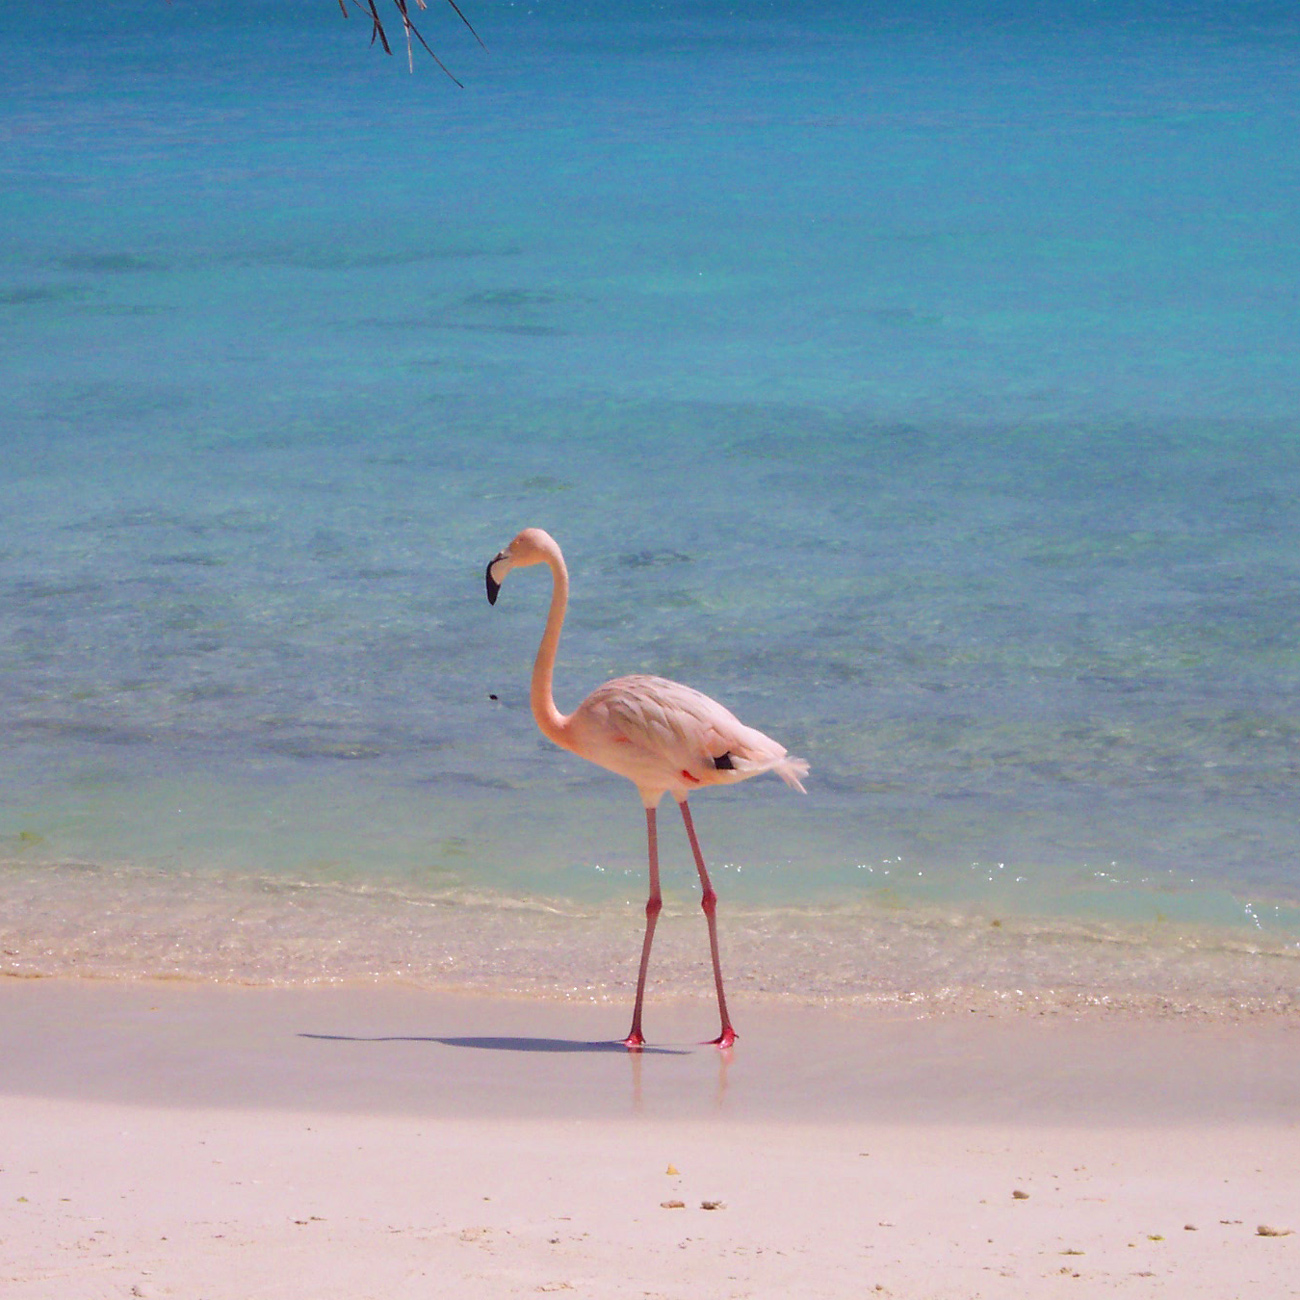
[[668, 738], [664, 737]]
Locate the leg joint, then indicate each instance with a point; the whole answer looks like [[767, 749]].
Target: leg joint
[[654, 905]]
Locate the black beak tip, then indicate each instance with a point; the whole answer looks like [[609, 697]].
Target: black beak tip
[[493, 586]]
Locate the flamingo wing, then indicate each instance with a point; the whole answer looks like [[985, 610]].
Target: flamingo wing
[[688, 733]]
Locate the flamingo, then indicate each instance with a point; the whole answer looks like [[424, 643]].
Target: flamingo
[[664, 737]]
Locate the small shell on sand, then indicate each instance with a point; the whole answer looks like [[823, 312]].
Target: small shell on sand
[[711, 1205], [1018, 1195], [672, 1169], [672, 1205], [1265, 1231]]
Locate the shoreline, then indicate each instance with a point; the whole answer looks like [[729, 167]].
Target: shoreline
[[370, 1048], [166, 1139], [129, 924]]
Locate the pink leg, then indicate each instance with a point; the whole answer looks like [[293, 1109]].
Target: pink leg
[[635, 1040], [709, 902]]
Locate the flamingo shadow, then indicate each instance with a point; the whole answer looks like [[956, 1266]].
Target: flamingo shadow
[[504, 1044]]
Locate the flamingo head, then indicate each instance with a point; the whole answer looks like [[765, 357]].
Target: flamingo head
[[532, 546]]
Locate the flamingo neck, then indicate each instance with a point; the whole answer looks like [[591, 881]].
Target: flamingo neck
[[551, 721]]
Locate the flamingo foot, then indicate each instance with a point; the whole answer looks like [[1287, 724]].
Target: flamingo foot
[[635, 1041], [725, 1039]]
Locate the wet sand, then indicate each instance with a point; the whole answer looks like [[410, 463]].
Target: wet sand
[[179, 1139]]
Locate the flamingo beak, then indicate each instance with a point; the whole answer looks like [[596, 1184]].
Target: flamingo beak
[[501, 563]]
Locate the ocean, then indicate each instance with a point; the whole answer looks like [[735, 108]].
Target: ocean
[[921, 380]]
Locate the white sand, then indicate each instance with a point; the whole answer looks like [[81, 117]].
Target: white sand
[[212, 1142]]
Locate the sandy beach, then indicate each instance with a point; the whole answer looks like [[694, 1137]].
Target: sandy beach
[[193, 1140]]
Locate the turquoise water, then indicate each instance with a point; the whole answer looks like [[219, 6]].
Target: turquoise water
[[923, 384]]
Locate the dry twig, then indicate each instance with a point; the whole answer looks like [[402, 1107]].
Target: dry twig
[[410, 30]]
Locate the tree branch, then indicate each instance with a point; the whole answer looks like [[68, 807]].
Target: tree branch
[[409, 29]]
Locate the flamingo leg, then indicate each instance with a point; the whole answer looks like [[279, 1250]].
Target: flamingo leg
[[635, 1039], [709, 902]]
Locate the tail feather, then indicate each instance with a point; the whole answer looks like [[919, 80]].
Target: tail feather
[[790, 770], [787, 768]]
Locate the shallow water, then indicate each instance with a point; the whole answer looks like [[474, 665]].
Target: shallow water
[[920, 384]]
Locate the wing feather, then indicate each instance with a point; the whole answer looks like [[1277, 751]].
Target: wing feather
[[686, 731]]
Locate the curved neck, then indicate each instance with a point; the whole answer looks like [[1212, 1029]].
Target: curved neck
[[549, 718]]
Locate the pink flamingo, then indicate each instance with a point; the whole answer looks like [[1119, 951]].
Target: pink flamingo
[[664, 737]]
